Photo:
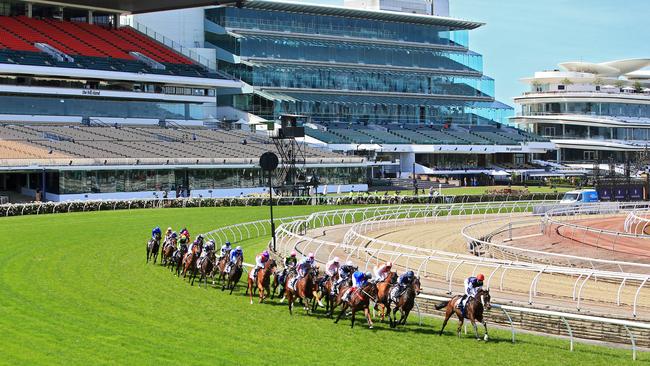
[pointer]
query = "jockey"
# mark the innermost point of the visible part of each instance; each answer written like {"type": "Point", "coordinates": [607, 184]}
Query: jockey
{"type": "Point", "coordinates": [345, 271]}
{"type": "Point", "coordinates": [260, 262]}
{"type": "Point", "coordinates": [404, 280]}
{"type": "Point", "coordinates": [382, 271]}
{"type": "Point", "coordinates": [303, 268]}
{"type": "Point", "coordinates": [186, 234]}
{"type": "Point", "coordinates": [182, 241]}
{"type": "Point", "coordinates": [206, 248]}
{"type": "Point", "coordinates": [291, 261]}
{"type": "Point", "coordinates": [156, 233]}
{"type": "Point", "coordinates": [234, 255]}
{"type": "Point", "coordinates": [332, 267]}
{"type": "Point", "coordinates": [198, 242]}
{"type": "Point", "coordinates": [168, 234]}
{"type": "Point", "coordinates": [225, 250]}
{"type": "Point", "coordinates": [305, 265]}
{"type": "Point", "coordinates": [472, 287]}
{"type": "Point", "coordinates": [359, 279]}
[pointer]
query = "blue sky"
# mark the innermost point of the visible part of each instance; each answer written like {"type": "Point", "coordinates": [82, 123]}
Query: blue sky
{"type": "Point", "coordinates": [524, 36]}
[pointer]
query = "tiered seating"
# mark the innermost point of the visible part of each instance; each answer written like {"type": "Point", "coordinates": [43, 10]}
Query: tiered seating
{"type": "Point", "coordinates": [495, 137]}
{"type": "Point", "coordinates": [91, 46]}
{"type": "Point", "coordinates": [134, 142]}
{"type": "Point", "coordinates": [149, 47]}
{"type": "Point", "coordinates": [353, 135]}
{"type": "Point", "coordinates": [442, 138]}
{"type": "Point", "coordinates": [415, 137]}
{"type": "Point", "coordinates": [468, 138]}
{"type": "Point", "coordinates": [325, 136]}
{"type": "Point", "coordinates": [386, 137]}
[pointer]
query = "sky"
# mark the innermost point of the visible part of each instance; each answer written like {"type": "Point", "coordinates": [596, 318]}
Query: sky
{"type": "Point", "coordinates": [524, 36]}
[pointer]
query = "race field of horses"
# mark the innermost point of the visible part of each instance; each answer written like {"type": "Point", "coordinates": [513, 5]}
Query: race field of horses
{"type": "Point", "coordinates": [76, 288]}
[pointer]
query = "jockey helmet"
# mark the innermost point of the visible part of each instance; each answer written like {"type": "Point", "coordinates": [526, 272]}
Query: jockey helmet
{"type": "Point", "coordinates": [293, 253]}
{"type": "Point", "coordinates": [368, 275]}
{"type": "Point", "coordinates": [480, 277]}
{"type": "Point", "coordinates": [265, 254]}
{"type": "Point", "coordinates": [335, 260]}
{"type": "Point", "coordinates": [157, 228]}
{"type": "Point", "coordinates": [349, 263]}
{"type": "Point", "coordinates": [174, 235]}
{"type": "Point", "coordinates": [200, 237]}
{"type": "Point", "coordinates": [211, 242]}
{"type": "Point", "coordinates": [227, 243]}
{"type": "Point", "coordinates": [238, 249]}
{"type": "Point", "coordinates": [169, 229]}
{"type": "Point", "coordinates": [311, 255]}
{"type": "Point", "coordinates": [410, 274]}
{"type": "Point", "coordinates": [389, 264]}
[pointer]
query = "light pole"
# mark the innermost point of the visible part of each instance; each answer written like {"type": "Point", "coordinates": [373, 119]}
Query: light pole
{"type": "Point", "coordinates": [268, 162]}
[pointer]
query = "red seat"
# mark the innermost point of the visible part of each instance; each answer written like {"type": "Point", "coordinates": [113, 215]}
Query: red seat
{"type": "Point", "coordinates": [20, 33]}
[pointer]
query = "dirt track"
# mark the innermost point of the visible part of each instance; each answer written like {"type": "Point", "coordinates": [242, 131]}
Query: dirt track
{"type": "Point", "coordinates": [553, 291]}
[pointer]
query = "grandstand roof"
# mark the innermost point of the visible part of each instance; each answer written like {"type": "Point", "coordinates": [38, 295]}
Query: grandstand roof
{"type": "Point", "coordinates": [138, 6]}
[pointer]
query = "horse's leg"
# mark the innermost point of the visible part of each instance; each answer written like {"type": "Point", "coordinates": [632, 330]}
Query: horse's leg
{"type": "Point", "coordinates": [485, 337]}
{"type": "Point", "coordinates": [290, 300]}
{"type": "Point", "coordinates": [343, 308]}
{"type": "Point", "coordinates": [367, 312]}
{"type": "Point", "coordinates": [147, 253]}
{"type": "Point", "coordinates": [406, 315]}
{"type": "Point", "coordinates": [250, 294]}
{"type": "Point", "coordinates": [448, 313]}
{"type": "Point", "coordinates": [393, 316]}
{"type": "Point", "coordinates": [354, 312]}
{"type": "Point", "coordinates": [460, 324]}
{"type": "Point", "coordinates": [475, 329]}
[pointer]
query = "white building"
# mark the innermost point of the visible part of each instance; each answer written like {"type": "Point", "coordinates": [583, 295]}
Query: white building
{"type": "Point", "coordinates": [591, 111]}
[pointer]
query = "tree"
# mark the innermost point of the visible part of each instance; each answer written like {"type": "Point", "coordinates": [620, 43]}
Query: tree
{"type": "Point", "coordinates": [638, 87]}
{"type": "Point", "coordinates": [598, 81]}
{"type": "Point", "coordinates": [619, 83]}
{"type": "Point", "coordinates": [567, 81]}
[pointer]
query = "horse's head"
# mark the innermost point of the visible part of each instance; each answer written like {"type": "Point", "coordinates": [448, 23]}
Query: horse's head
{"type": "Point", "coordinates": [271, 264]}
{"type": "Point", "coordinates": [484, 297]}
{"type": "Point", "coordinates": [391, 278]}
{"type": "Point", "coordinates": [417, 285]}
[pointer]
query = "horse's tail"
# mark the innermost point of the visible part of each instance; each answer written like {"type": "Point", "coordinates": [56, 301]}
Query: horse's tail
{"type": "Point", "coordinates": [442, 305]}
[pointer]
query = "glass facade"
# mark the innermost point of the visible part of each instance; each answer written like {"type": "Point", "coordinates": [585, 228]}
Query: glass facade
{"type": "Point", "coordinates": [314, 23]}
{"type": "Point", "coordinates": [341, 78]}
{"type": "Point", "coordinates": [384, 72]}
{"type": "Point", "coordinates": [119, 108]}
{"type": "Point", "coordinates": [589, 108]}
{"type": "Point", "coordinates": [142, 180]}
{"type": "Point", "coordinates": [572, 131]}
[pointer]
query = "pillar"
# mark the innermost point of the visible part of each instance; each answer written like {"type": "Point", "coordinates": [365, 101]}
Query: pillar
{"type": "Point", "coordinates": [90, 17]}
{"type": "Point", "coordinates": [30, 7]}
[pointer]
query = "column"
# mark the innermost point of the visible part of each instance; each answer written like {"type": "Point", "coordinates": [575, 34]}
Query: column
{"type": "Point", "coordinates": [90, 17]}
{"type": "Point", "coordinates": [30, 7]}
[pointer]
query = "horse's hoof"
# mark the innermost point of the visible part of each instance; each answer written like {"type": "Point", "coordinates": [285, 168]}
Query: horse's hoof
{"type": "Point", "coordinates": [485, 337]}
{"type": "Point", "coordinates": [370, 327]}
{"type": "Point", "coordinates": [251, 302]}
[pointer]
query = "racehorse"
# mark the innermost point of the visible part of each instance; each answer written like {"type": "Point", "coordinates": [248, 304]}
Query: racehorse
{"type": "Point", "coordinates": [326, 287]}
{"type": "Point", "coordinates": [360, 299]}
{"type": "Point", "coordinates": [383, 293]}
{"type": "Point", "coordinates": [404, 303]}
{"type": "Point", "coordinates": [473, 311]}
{"type": "Point", "coordinates": [152, 249]}
{"type": "Point", "coordinates": [279, 280]}
{"type": "Point", "coordinates": [261, 280]}
{"type": "Point", "coordinates": [220, 268]}
{"type": "Point", "coordinates": [167, 251]}
{"type": "Point", "coordinates": [189, 261]}
{"type": "Point", "coordinates": [177, 259]}
{"type": "Point", "coordinates": [233, 276]}
{"type": "Point", "coordinates": [204, 267]}
{"type": "Point", "coordinates": [305, 289]}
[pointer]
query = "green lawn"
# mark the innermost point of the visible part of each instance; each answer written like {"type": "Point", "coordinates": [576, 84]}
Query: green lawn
{"type": "Point", "coordinates": [75, 289]}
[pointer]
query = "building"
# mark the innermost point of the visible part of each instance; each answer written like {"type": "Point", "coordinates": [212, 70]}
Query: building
{"type": "Point", "coordinates": [590, 111]}
{"type": "Point", "coordinates": [90, 109]}
{"type": "Point", "coordinates": [378, 76]}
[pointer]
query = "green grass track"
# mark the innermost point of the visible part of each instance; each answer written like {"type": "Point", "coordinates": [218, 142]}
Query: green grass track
{"type": "Point", "coordinates": [75, 290]}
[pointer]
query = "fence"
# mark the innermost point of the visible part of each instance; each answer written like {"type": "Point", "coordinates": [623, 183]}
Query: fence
{"type": "Point", "coordinates": [39, 208]}
{"type": "Point", "coordinates": [443, 268]}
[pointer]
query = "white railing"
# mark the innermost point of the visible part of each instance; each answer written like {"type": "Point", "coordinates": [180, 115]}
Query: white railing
{"type": "Point", "coordinates": [510, 274]}
{"type": "Point", "coordinates": [637, 221]}
{"type": "Point", "coordinates": [562, 317]}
